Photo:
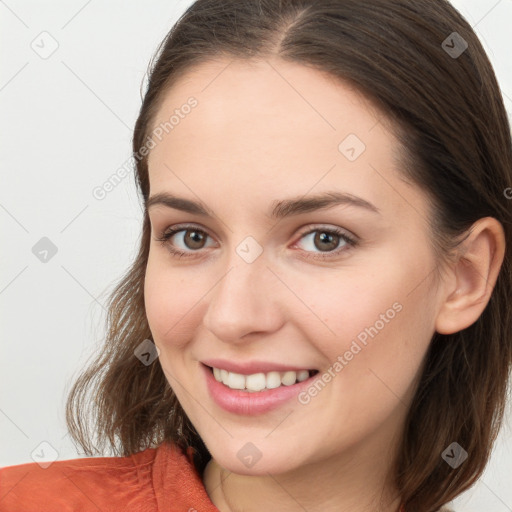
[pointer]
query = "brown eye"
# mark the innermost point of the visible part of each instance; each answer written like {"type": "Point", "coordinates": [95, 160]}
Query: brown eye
{"type": "Point", "coordinates": [184, 240]}
{"type": "Point", "coordinates": [194, 239]}
{"type": "Point", "coordinates": [325, 241]}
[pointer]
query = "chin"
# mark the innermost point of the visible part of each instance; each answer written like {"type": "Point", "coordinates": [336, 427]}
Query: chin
{"type": "Point", "coordinates": [253, 459]}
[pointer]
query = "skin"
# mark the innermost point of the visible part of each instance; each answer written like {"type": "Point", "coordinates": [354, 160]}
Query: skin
{"type": "Point", "coordinates": [270, 130]}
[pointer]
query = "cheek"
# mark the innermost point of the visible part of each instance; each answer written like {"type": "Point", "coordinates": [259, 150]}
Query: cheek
{"type": "Point", "coordinates": [344, 303]}
{"type": "Point", "coordinates": [169, 300]}
{"type": "Point", "coordinates": [372, 318]}
{"type": "Point", "coordinates": [381, 334]}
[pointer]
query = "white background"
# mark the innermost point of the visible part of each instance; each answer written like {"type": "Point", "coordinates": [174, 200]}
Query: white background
{"type": "Point", "coordinates": [66, 126]}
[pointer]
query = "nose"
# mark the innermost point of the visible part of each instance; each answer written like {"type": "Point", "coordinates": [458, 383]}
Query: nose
{"type": "Point", "coordinates": [245, 301]}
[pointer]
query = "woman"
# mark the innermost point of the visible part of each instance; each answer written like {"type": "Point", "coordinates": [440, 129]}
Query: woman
{"type": "Point", "coordinates": [317, 317]}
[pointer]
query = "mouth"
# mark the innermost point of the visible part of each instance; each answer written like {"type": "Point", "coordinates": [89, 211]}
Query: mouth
{"type": "Point", "coordinates": [261, 381]}
{"type": "Point", "coordinates": [256, 393]}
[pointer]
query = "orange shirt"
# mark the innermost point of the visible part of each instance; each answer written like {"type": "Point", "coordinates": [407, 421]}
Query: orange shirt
{"type": "Point", "coordinates": [160, 479]}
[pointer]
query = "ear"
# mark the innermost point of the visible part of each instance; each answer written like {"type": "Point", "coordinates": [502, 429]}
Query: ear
{"type": "Point", "coordinates": [472, 277]}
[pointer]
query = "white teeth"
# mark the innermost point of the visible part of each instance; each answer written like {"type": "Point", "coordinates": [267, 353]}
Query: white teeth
{"type": "Point", "coordinates": [289, 378]}
{"type": "Point", "coordinates": [273, 380]}
{"type": "Point", "coordinates": [302, 375]}
{"type": "Point", "coordinates": [258, 381]}
{"type": "Point", "coordinates": [235, 381]}
{"type": "Point", "coordinates": [255, 382]}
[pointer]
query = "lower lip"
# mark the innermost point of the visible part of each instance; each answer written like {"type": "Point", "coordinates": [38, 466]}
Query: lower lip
{"type": "Point", "coordinates": [251, 404]}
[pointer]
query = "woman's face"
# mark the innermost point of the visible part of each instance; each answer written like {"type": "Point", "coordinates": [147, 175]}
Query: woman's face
{"type": "Point", "coordinates": [265, 148]}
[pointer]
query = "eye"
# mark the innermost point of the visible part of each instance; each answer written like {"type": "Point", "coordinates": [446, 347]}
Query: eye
{"type": "Point", "coordinates": [328, 241]}
{"type": "Point", "coordinates": [192, 238]}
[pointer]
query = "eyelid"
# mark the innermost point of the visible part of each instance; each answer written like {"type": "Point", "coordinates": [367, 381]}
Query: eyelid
{"type": "Point", "coordinates": [311, 228]}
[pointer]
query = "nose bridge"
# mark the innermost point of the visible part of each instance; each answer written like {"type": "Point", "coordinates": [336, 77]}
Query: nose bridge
{"type": "Point", "coordinates": [242, 300]}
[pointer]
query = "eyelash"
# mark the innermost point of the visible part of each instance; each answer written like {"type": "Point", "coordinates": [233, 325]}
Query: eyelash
{"type": "Point", "coordinates": [350, 242]}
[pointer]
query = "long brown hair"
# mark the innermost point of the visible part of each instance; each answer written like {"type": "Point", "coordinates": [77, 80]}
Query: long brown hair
{"type": "Point", "coordinates": [449, 115]}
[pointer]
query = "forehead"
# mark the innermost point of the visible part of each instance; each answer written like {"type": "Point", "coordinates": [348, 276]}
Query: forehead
{"type": "Point", "coordinates": [275, 127]}
{"type": "Point", "coordinates": [267, 97]}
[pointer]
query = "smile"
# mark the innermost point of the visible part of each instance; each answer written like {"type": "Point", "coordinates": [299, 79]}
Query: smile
{"type": "Point", "coordinates": [254, 394]}
{"type": "Point", "coordinates": [260, 381]}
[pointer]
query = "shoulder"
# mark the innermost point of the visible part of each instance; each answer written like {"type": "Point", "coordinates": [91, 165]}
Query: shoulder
{"type": "Point", "coordinates": [155, 479]}
{"type": "Point", "coordinates": [103, 483]}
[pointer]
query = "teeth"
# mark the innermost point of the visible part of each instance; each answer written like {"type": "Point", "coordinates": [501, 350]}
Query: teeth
{"type": "Point", "coordinates": [258, 381]}
{"type": "Point", "coordinates": [255, 382]}
{"type": "Point", "coordinates": [235, 381]}
{"type": "Point", "coordinates": [289, 378]}
{"type": "Point", "coordinates": [302, 375]}
{"type": "Point", "coordinates": [273, 380]}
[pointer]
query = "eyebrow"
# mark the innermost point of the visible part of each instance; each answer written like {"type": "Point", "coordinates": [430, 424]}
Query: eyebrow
{"type": "Point", "coordinates": [279, 209]}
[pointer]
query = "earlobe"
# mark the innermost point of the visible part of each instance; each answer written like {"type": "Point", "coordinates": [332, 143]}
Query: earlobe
{"type": "Point", "coordinates": [474, 276]}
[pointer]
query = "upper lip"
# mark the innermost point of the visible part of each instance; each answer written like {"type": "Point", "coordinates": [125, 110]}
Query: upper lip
{"type": "Point", "coordinates": [251, 367]}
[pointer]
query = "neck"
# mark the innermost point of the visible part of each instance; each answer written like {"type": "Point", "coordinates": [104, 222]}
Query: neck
{"type": "Point", "coordinates": [336, 484]}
